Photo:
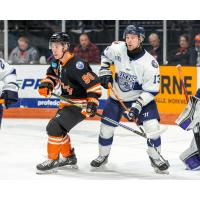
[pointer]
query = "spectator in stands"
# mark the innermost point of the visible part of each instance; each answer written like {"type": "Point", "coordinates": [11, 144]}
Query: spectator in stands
{"type": "Point", "coordinates": [196, 51]}
{"type": "Point", "coordinates": [183, 55]}
{"type": "Point", "coordinates": [155, 49]}
{"type": "Point", "coordinates": [87, 50]}
{"type": "Point", "coordinates": [24, 53]}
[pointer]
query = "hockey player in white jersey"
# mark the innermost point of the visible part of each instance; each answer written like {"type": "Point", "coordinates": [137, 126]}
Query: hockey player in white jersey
{"type": "Point", "coordinates": [188, 120]}
{"type": "Point", "coordinates": [136, 81]}
{"type": "Point", "coordinates": [9, 91]}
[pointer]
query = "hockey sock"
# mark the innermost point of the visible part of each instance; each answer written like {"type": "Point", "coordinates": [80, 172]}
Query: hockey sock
{"type": "Point", "coordinates": [66, 149]}
{"type": "Point", "coordinates": [54, 147]}
{"type": "Point", "coordinates": [154, 143]}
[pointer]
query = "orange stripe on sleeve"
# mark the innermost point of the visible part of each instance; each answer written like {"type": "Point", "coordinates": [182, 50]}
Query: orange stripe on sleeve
{"type": "Point", "coordinates": [93, 88]}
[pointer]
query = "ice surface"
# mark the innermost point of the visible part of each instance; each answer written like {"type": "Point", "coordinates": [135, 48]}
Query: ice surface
{"type": "Point", "coordinates": [23, 146]}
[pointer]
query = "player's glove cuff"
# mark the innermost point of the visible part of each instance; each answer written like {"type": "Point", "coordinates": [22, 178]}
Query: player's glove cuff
{"type": "Point", "coordinates": [92, 106]}
{"type": "Point", "coordinates": [134, 111]}
{"type": "Point", "coordinates": [105, 77]}
{"type": "Point", "coordinates": [137, 105]}
{"type": "Point", "coordinates": [45, 88]}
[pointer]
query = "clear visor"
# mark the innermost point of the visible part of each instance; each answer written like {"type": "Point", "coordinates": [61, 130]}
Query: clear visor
{"type": "Point", "coordinates": [132, 33]}
{"type": "Point", "coordinates": [64, 44]}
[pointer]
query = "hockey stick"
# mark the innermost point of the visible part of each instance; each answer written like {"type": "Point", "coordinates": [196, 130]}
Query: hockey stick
{"type": "Point", "coordinates": [196, 129]}
{"type": "Point", "coordinates": [179, 68]}
{"type": "Point", "coordinates": [142, 134]}
{"type": "Point", "coordinates": [101, 116]}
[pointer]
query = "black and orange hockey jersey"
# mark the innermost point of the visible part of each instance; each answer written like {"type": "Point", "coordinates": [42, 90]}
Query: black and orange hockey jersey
{"type": "Point", "coordinates": [76, 78]}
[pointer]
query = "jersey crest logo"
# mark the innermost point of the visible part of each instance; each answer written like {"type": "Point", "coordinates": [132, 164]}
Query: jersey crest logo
{"type": "Point", "coordinates": [80, 65]}
{"type": "Point", "coordinates": [126, 81]}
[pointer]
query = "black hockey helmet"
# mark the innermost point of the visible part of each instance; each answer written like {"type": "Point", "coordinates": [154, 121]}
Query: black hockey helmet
{"type": "Point", "coordinates": [135, 30]}
{"type": "Point", "coordinates": [61, 37]}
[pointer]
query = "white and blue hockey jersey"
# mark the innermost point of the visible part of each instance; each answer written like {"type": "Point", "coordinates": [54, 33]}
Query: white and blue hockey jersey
{"type": "Point", "coordinates": [133, 78]}
{"type": "Point", "coordinates": [8, 77]}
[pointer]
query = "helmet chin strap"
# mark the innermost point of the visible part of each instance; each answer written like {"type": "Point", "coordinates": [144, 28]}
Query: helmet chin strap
{"type": "Point", "coordinates": [64, 51]}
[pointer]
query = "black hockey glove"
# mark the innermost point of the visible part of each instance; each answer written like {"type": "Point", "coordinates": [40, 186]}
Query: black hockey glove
{"type": "Point", "coordinates": [134, 111]}
{"type": "Point", "coordinates": [45, 89]}
{"type": "Point", "coordinates": [10, 97]}
{"type": "Point", "coordinates": [105, 77]}
{"type": "Point", "coordinates": [91, 109]}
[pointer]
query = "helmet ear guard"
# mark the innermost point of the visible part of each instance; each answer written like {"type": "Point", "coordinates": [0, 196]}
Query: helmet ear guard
{"type": "Point", "coordinates": [141, 39]}
{"type": "Point", "coordinates": [142, 33]}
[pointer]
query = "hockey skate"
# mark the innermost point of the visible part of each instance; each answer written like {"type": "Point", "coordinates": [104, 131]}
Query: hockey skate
{"type": "Point", "coordinates": [47, 167]}
{"type": "Point", "coordinates": [159, 166]}
{"type": "Point", "coordinates": [100, 161]}
{"type": "Point", "coordinates": [69, 162]}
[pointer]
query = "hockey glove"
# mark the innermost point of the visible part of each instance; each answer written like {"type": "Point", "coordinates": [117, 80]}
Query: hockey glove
{"type": "Point", "coordinates": [134, 111]}
{"type": "Point", "coordinates": [45, 89]}
{"type": "Point", "coordinates": [105, 77]}
{"type": "Point", "coordinates": [92, 106]}
{"type": "Point", "coordinates": [10, 97]}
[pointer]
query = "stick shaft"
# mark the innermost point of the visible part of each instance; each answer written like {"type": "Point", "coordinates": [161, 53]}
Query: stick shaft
{"type": "Point", "coordinates": [101, 116]}
{"type": "Point", "coordinates": [179, 67]}
{"type": "Point", "coordinates": [120, 101]}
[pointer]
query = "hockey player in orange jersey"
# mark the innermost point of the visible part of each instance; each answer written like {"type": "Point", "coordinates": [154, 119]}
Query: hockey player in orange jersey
{"type": "Point", "coordinates": [79, 83]}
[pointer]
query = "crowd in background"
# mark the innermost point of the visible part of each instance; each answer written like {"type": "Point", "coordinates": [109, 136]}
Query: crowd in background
{"type": "Point", "coordinates": [29, 51]}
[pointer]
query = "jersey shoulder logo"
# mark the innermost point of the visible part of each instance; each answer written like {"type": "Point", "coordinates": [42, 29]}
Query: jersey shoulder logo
{"type": "Point", "coordinates": [80, 65]}
{"type": "Point", "coordinates": [54, 64]}
{"type": "Point", "coordinates": [154, 64]}
{"type": "Point", "coordinates": [2, 65]}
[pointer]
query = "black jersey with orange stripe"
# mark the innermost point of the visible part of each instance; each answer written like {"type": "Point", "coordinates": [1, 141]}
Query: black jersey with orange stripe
{"type": "Point", "coordinates": [75, 76]}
